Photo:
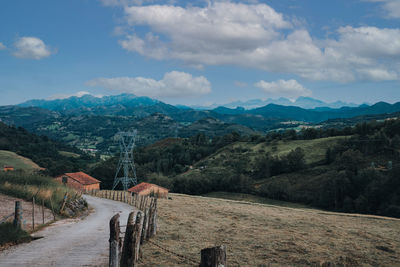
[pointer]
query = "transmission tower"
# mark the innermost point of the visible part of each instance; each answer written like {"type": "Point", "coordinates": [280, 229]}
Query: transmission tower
{"type": "Point", "coordinates": [126, 162]}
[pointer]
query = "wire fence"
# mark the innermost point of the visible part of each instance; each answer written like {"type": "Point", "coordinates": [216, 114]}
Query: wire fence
{"type": "Point", "coordinates": [185, 258]}
{"type": "Point", "coordinates": [6, 218]}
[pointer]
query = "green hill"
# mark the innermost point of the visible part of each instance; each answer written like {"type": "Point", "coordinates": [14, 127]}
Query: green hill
{"type": "Point", "coordinates": [314, 150]}
{"type": "Point", "coordinates": [41, 150]}
{"type": "Point", "coordinates": [8, 158]}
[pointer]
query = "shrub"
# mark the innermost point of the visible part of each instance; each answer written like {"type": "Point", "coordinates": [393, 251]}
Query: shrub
{"type": "Point", "coordinates": [9, 233]}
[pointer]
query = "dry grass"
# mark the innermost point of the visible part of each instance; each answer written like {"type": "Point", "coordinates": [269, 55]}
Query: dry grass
{"type": "Point", "coordinates": [258, 235]}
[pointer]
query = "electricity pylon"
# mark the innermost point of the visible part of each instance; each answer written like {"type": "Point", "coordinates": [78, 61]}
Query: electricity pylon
{"type": "Point", "coordinates": [126, 162]}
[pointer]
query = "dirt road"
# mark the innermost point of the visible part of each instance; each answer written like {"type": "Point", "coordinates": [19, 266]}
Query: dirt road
{"type": "Point", "coordinates": [71, 242]}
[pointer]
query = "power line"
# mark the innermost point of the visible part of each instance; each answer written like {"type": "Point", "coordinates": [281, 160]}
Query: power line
{"type": "Point", "coordinates": [126, 162]}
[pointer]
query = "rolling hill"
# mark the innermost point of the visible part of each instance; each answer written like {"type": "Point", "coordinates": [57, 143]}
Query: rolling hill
{"type": "Point", "coordinates": [41, 150]}
{"type": "Point", "coordinates": [8, 158]}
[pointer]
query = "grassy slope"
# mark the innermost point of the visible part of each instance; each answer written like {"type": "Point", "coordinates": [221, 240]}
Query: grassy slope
{"type": "Point", "coordinates": [267, 235]}
{"type": "Point", "coordinates": [314, 149]}
{"type": "Point", "coordinates": [254, 199]}
{"type": "Point", "coordinates": [17, 161]}
{"type": "Point", "coordinates": [69, 154]}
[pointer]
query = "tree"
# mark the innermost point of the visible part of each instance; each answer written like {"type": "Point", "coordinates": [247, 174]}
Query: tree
{"type": "Point", "coordinates": [295, 159]}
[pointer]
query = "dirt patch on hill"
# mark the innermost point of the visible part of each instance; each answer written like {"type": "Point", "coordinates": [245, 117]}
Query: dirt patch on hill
{"type": "Point", "coordinates": [265, 235]}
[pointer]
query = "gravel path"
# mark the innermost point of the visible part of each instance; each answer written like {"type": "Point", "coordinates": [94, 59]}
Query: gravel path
{"type": "Point", "coordinates": [71, 242]}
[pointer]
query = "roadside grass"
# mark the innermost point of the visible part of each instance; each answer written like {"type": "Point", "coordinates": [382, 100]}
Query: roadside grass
{"type": "Point", "coordinates": [18, 162]}
{"type": "Point", "coordinates": [9, 233]}
{"type": "Point", "coordinates": [25, 186]}
{"type": "Point", "coordinates": [255, 199]}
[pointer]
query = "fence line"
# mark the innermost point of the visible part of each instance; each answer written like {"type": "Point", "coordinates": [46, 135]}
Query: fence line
{"type": "Point", "coordinates": [141, 202]}
{"type": "Point", "coordinates": [140, 227]}
{"type": "Point", "coordinates": [6, 218]}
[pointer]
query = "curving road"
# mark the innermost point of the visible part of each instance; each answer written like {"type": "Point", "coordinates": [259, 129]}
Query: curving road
{"type": "Point", "coordinates": [71, 242]}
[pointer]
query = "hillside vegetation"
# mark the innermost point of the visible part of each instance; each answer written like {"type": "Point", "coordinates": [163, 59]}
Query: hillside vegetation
{"type": "Point", "coordinates": [55, 157]}
{"type": "Point", "coordinates": [43, 188]}
{"type": "Point", "coordinates": [8, 158]}
{"type": "Point", "coordinates": [354, 169]}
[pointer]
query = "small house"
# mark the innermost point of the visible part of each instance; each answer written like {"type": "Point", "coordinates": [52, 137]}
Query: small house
{"type": "Point", "coordinates": [8, 168]}
{"type": "Point", "coordinates": [79, 181]}
{"type": "Point", "coordinates": [143, 189]}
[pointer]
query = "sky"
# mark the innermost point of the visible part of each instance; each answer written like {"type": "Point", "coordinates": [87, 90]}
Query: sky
{"type": "Point", "coordinates": [200, 52]}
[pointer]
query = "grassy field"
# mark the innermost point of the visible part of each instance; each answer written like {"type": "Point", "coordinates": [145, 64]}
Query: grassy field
{"type": "Point", "coordinates": [69, 154]}
{"type": "Point", "coordinates": [17, 161]}
{"type": "Point", "coordinates": [254, 199]}
{"type": "Point", "coordinates": [314, 150]}
{"type": "Point", "coordinates": [268, 235]}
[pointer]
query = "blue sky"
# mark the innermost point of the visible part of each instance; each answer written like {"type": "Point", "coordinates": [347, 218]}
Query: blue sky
{"type": "Point", "coordinates": [201, 52]}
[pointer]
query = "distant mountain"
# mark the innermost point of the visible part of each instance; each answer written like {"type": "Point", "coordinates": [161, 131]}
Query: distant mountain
{"type": "Point", "coordinates": [117, 105]}
{"type": "Point", "coordinates": [89, 101]}
{"type": "Point", "coordinates": [312, 115]}
{"type": "Point", "coordinates": [302, 102]}
{"type": "Point", "coordinates": [14, 115]}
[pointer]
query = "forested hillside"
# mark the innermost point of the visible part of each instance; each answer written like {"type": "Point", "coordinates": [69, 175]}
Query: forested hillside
{"type": "Point", "coordinates": [42, 150]}
{"type": "Point", "coordinates": [351, 169]}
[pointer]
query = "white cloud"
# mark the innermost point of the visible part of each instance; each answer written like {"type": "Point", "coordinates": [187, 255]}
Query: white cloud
{"type": "Point", "coordinates": [391, 7]}
{"type": "Point", "coordinates": [2, 46]}
{"type": "Point", "coordinates": [290, 88]}
{"type": "Point", "coordinates": [173, 84]}
{"type": "Point", "coordinates": [31, 48]}
{"type": "Point", "coordinates": [256, 36]}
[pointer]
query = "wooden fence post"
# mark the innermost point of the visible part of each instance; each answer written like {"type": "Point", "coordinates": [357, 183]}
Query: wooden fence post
{"type": "Point", "coordinates": [64, 202]}
{"type": "Point", "coordinates": [33, 213]}
{"type": "Point", "coordinates": [42, 211]}
{"type": "Point", "coordinates": [128, 257]}
{"type": "Point", "coordinates": [114, 241]}
{"type": "Point", "coordinates": [138, 234]}
{"type": "Point", "coordinates": [17, 214]}
{"type": "Point", "coordinates": [153, 224]}
{"type": "Point", "coordinates": [213, 257]}
{"type": "Point", "coordinates": [145, 226]}
{"type": "Point", "coordinates": [52, 210]}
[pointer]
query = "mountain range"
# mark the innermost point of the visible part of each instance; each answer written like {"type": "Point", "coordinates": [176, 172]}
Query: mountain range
{"type": "Point", "coordinates": [302, 102]}
{"type": "Point", "coordinates": [90, 122]}
{"type": "Point", "coordinates": [130, 101]}
{"type": "Point", "coordinates": [260, 118]}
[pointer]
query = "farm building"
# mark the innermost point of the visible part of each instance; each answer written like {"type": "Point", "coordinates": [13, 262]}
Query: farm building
{"type": "Point", "coordinates": [79, 180]}
{"type": "Point", "coordinates": [149, 189]}
{"type": "Point", "coordinates": [8, 168]}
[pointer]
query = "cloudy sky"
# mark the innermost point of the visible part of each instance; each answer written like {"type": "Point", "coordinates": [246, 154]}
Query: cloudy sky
{"type": "Point", "coordinates": [201, 52]}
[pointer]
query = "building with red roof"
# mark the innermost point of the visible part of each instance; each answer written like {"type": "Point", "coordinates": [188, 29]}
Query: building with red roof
{"type": "Point", "coordinates": [149, 189]}
{"type": "Point", "coordinates": [8, 168]}
{"type": "Point", "coordinates": [79, 180]}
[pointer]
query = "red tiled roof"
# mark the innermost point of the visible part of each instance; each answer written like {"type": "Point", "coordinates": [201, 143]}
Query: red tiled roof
{"type": "Point", "coordinates": [82, 178]}
{"type": "Point", "coordinates": [143, 186]}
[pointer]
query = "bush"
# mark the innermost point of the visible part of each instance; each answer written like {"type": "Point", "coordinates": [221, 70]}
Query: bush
{"type": "Point", "coordinates": [9, 233]}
